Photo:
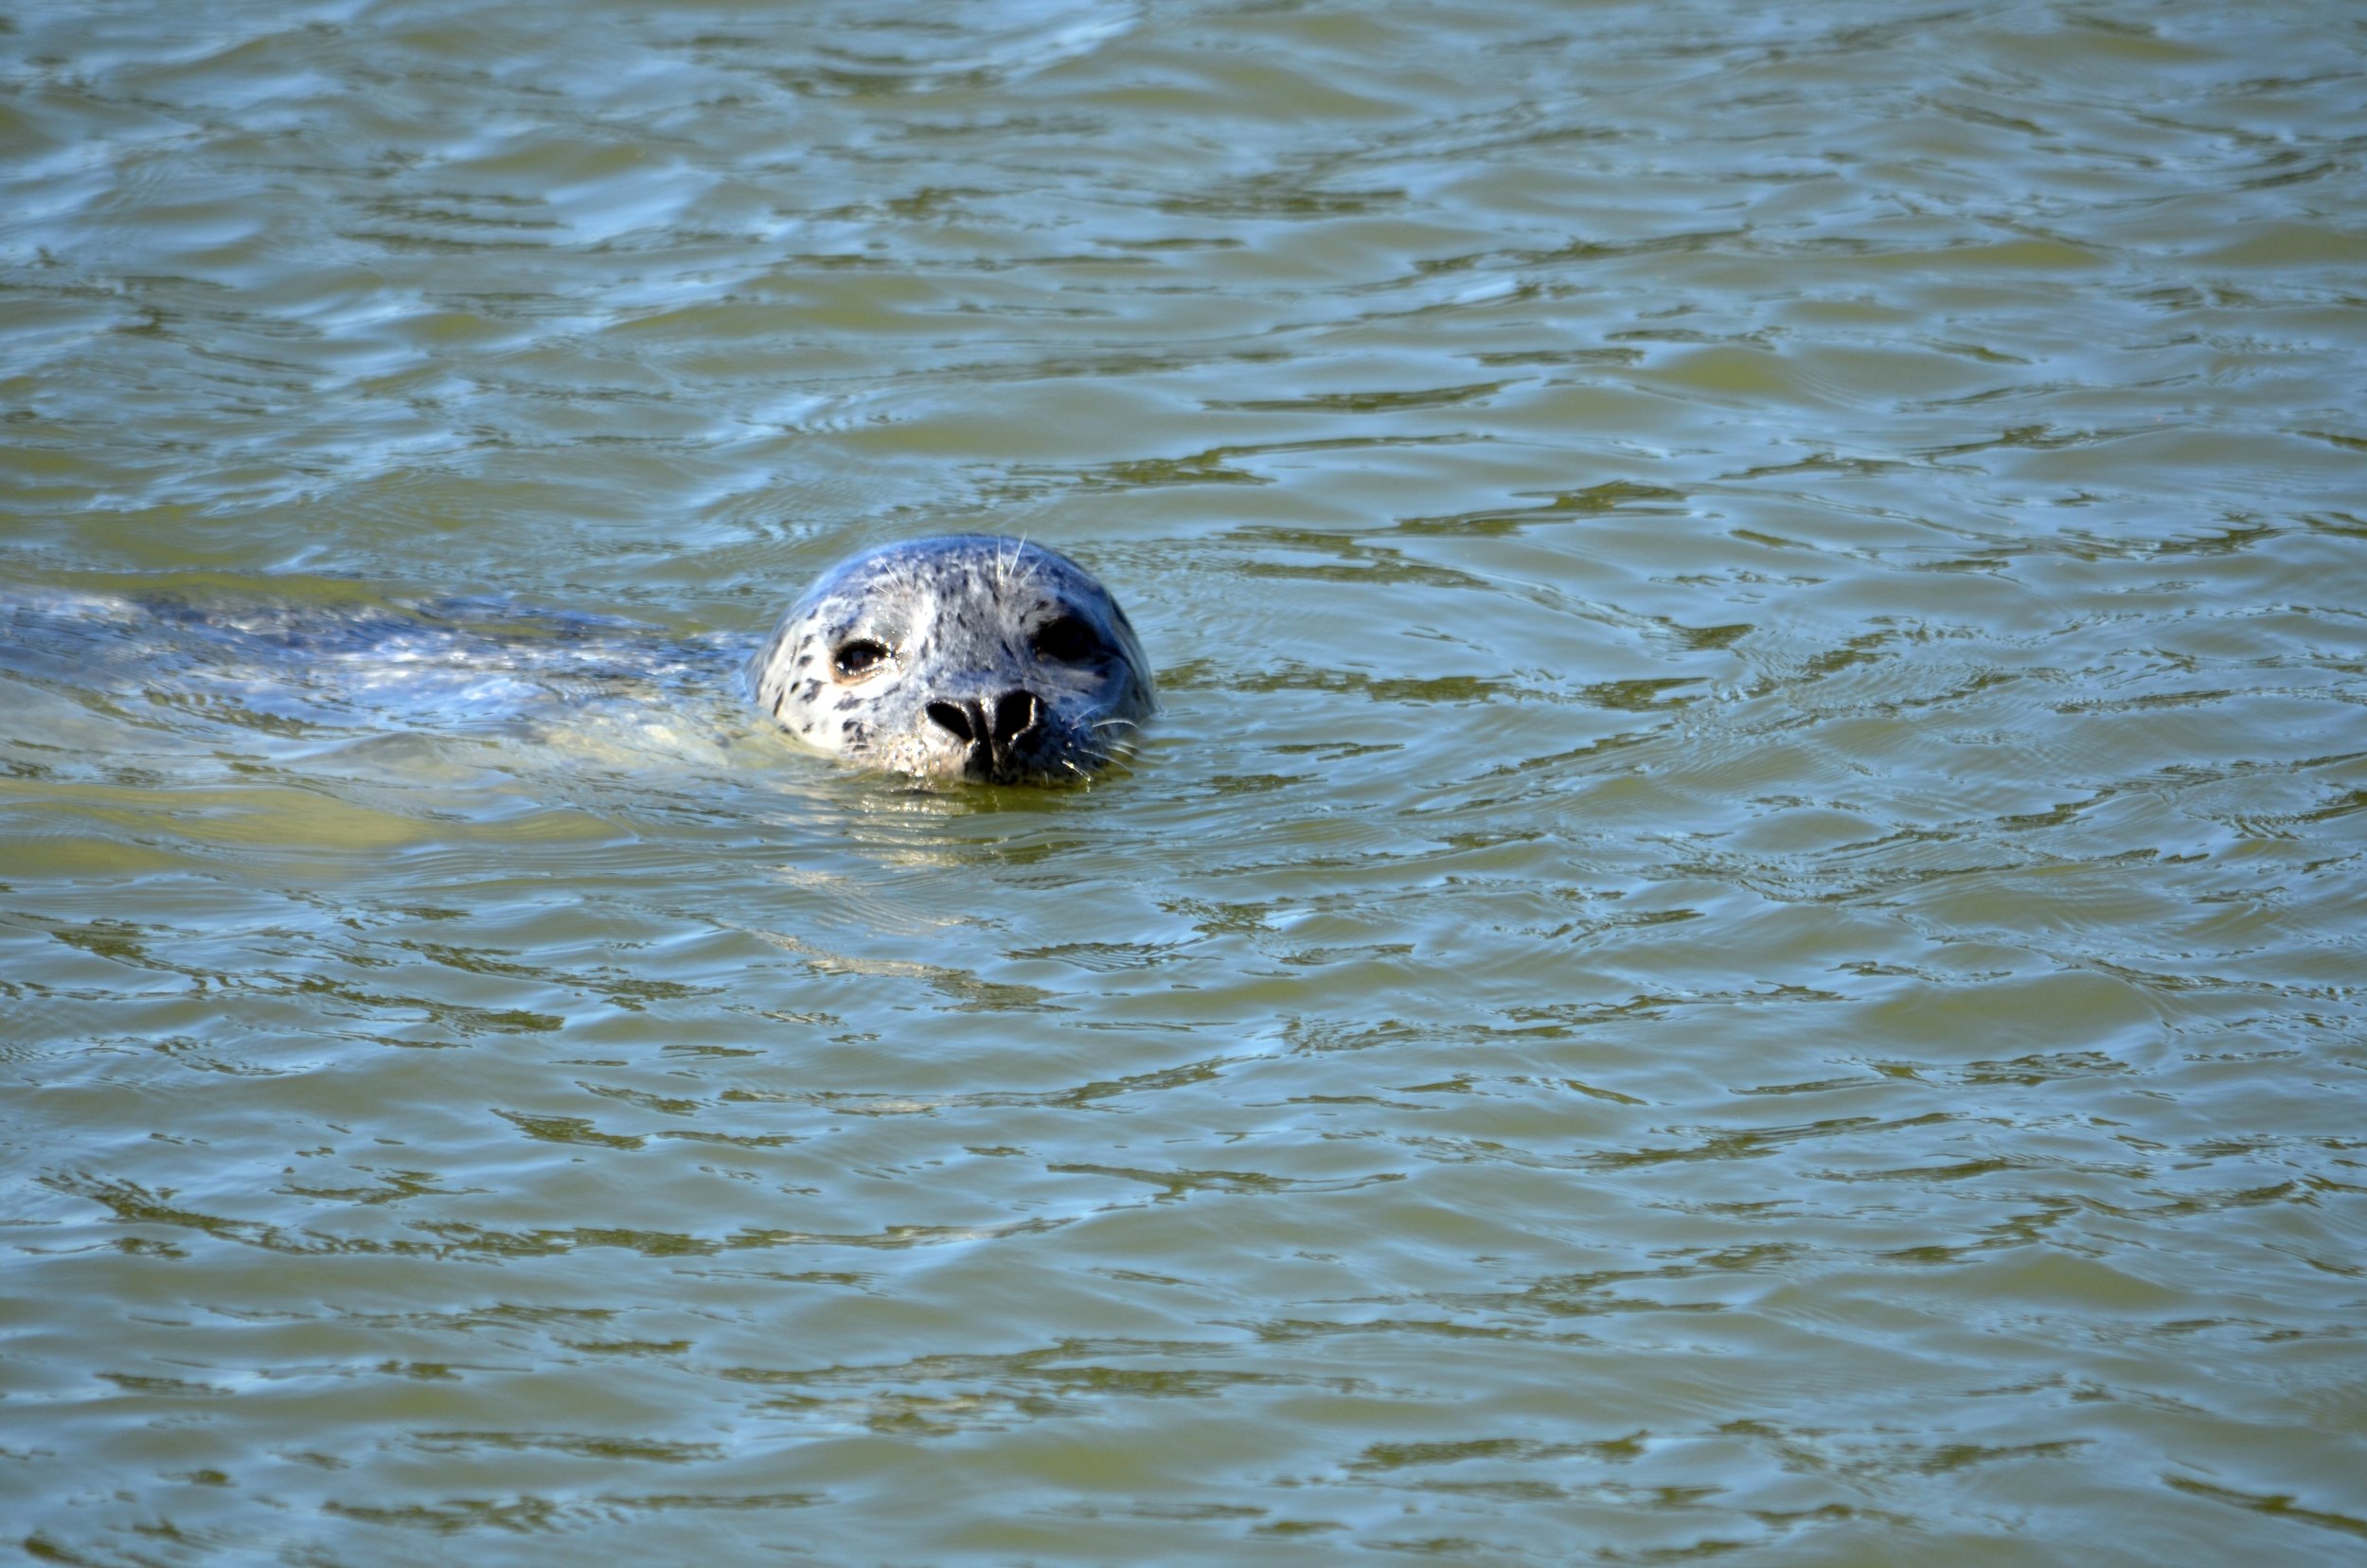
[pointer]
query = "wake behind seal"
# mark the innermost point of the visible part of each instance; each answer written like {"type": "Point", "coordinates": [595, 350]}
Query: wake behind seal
{"type": "Point", "coordinates": [965, 656]}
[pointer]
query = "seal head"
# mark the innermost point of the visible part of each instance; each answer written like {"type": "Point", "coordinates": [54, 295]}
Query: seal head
{"type": "Point", "coordinates": [965, 656]}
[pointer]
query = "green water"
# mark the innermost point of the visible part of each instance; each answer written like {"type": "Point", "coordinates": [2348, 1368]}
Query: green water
{"type": "Point", "coordinates": [1740, 938]}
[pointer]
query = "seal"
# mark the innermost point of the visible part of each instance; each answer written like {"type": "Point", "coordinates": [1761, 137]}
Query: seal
{"type": "Point", "coordinates": [964, 656]}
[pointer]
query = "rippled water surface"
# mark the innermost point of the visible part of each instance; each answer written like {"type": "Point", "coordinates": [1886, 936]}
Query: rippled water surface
{"type": "Point", "coordinates": [1741, 936]}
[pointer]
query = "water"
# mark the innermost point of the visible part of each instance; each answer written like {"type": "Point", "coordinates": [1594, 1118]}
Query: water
{"type": "Point", "coordinates": [1739, 938]}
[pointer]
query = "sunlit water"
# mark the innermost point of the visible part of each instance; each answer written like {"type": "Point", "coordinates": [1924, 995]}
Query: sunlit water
{"type": "Point", "coordinates": [1741, 936]}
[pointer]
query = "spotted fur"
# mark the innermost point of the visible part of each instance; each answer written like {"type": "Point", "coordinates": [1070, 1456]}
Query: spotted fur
{"type": "Point", "coordinates": [1002, 662]}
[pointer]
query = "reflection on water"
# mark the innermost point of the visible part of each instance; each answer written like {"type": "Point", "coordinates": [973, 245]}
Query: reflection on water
{"type": "Point", "coordinates": [1739, 936]}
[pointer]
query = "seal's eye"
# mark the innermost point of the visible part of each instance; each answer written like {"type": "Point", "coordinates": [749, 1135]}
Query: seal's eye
{"type": "Point", "coordinates": [854, 660]}
{"type": "Point", "coordinates": [1065, 640]}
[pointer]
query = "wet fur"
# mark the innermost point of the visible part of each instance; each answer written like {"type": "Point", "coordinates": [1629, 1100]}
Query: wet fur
{"type": "Point", "coordinates": [960, 616]}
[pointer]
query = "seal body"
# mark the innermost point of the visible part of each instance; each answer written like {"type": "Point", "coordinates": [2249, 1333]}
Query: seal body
{"type": "Point", "coordinates": [965, 656]}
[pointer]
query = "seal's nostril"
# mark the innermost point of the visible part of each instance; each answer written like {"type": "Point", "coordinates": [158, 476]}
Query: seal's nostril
{"type": "Point", "coordinates": [955, 719]}
{"type": "Point", "coordinates": [1014, 715]}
